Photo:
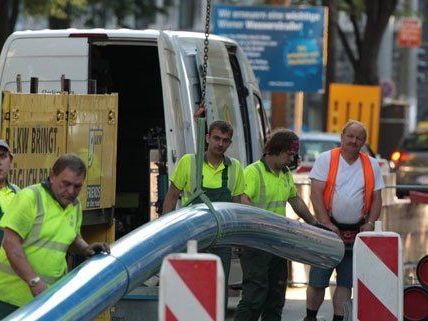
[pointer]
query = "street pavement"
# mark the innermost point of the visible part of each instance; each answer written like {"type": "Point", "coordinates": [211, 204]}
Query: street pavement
{"type": "Point", "coordinates": [295, 306]}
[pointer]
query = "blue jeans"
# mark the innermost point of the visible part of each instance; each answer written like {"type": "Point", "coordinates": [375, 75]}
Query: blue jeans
{"type": "Point", "coordinates": [320, 278]}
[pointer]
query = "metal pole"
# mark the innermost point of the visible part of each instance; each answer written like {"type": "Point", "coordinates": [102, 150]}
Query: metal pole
{"type": "Point", "coordinates": [298, 112]}
{"type": "Point", "coordinates": [92, 86]}
{"type": "Point", "coordinates": [34, 85]}
{"type": "Point", "coordinates": [409, 74]}
{"type": "Point", "coordinates": [66, 83]}
{"type": "Point", "coordinates": [18, 83]}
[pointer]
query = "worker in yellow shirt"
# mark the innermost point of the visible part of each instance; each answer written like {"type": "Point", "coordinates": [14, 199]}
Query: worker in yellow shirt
{"type": "Point", "coordinates": [41, 224]}
{"type": "Point", "coordinates": [7, 190]}
{"type": "Point", "coordinates": [222, 179]}
{"type": "Point", "coordinates": [269, 185]}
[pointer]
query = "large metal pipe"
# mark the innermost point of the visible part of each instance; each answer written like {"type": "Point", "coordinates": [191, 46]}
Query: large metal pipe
{"type": "Point", "coordinates": [102, 280]}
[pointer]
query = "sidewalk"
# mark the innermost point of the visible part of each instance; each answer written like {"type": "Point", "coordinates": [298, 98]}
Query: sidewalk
{"type": "Point", "coordinates": [295, 306]}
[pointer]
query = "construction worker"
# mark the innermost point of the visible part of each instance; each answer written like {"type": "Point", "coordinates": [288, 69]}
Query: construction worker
{"type": "Point", "coordinates": [222, 179]}
{"type": "Point", "coordinates": [346, 193]}
{"type": "Point", "coordinates": [7, 190]}
{"type": "Point", "coordinates": [269, 185]}
{"type": "Point", "coordinates": [41, 224]}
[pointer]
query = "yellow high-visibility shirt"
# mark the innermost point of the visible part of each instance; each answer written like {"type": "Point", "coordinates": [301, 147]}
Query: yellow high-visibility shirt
{"type": "Point", "coordinates": [268, 190]}
{"type": "Point", "coordinates": [47, 231]}
{"type": "Point", "coordinates": [184, 176]}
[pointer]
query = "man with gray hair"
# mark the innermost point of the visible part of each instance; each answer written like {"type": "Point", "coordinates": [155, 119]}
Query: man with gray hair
{"type": "Point", "coordinates": [346, 194]}
{"type": "Point", "coordinates": [42, 223]}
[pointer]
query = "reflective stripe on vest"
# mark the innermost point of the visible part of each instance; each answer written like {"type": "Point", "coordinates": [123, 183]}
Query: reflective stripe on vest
{"type": "Point", "coordinates": [33, 237]}
{"type": "Point", "coordinates": [262, 203]}
{"type": "Point", "coordinates": [369, 181]}
{"type": "Point", "coordinates": [231, 173]}
{"type": "Point", "coordinates": [8, 270]}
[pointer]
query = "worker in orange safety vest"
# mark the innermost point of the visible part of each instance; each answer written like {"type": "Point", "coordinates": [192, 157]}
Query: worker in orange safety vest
{"type": "Point", "coordinates": [346, 194]}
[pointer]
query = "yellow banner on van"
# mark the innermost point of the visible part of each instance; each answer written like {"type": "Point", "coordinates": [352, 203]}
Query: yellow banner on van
{"type": "Point", "coordinates": [356, 102]}
{"type": "Point", "coordinates": [41, 127]}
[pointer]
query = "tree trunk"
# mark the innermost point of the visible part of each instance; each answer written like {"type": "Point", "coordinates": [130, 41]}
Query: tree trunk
{"type": "Point", "coordinates": [9, 10]}
{"type": "Point", "coordinates": [59, 23]}
{"type": "Point", "coordinates": [378, 13]}
{"type": "Point", "coordinates": [330, 73]}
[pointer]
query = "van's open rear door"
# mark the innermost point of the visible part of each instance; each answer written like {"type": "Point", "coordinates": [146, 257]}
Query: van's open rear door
{"type": "Point", "coordinates": [256, 113]}
{"type": "Point", "coordinates": [172, 100]}
{"type": "Point", "coordinates": [221, 97]}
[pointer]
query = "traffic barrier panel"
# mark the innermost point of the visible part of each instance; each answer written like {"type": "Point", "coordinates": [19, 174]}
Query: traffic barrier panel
{"type": "Point", "coordinates": [191, 287]}
{"type": "Point", "coordinates": [418, 197]}
{"type": "Point", "coordinates": [378, 276]}
{"type": "Point", "coordinates": [422, 271]}
{"type": "Point", "coordinates": [415, 304]}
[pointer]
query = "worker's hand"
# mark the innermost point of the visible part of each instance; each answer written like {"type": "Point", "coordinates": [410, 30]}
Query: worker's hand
{"type": "Point", "coordinates": [96, 247]}
{"type": "Point", "coordinates": [38, 288]}
{"type": "Point", "coordinates": [367, 227]}
{"type": "Point", "coordinates": [200, 112]}
{"type": "Point", "coordinates": [331, 227]}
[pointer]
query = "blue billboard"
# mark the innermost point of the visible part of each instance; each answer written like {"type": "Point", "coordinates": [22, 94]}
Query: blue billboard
{"type": "Point", "coordinates": [285, 45]}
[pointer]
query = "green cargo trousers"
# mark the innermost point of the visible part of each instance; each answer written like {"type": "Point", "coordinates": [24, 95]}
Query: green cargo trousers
{"type": "Point", "coordinates": [263, 286]}
{"type": "Point", "coordinates": [225, 255]}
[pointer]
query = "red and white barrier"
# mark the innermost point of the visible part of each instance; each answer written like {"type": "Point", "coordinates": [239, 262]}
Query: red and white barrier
{"type": "Point", "coordinates": [191, 287]}
{"type": "Point", "coordinates": [378, 276]}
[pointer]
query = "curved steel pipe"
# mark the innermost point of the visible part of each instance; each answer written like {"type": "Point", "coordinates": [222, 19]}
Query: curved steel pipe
{"type": "Point", "coordinates": [102, 280]}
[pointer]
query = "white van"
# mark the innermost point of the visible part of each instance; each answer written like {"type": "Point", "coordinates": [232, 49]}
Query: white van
{"type": "Point", "coordinates": [157, 76]}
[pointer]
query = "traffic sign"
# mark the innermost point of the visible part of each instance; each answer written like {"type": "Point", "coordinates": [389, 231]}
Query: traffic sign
{"type": "Point", "coordinates": [409, 33]}
{"type": "Point", "coordinates": [191, 288]}
{"type": "Point", "coordinates": [378, 277]}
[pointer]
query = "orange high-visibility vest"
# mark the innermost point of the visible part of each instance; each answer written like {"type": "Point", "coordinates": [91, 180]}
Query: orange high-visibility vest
{"type": "Point", "coordinates": [369, 180]}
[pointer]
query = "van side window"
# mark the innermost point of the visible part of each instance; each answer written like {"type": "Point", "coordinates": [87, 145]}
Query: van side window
{"type": "Point", "coordinates": [262, 119]}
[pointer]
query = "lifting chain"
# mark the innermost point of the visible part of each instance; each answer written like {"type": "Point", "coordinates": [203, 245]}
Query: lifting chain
{"type": "Point", "coordinates": [206, 43]}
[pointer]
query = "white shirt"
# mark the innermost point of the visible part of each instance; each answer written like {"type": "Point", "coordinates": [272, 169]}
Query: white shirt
{"type": "Point", "coordinates": [348, 194]}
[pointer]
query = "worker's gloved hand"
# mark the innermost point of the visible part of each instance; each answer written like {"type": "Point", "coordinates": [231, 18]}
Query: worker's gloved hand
{"type": "Point", "coordinates": [97, 247]}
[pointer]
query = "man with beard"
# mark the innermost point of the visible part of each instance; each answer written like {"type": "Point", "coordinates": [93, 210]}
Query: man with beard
{"type": "Point", "coordinates": [346, 193]}
{"type": "Point", "coordinates": [222, 180]}
{"type": "Point", "coordinates": [7, 190]}
{"type": "Point", "coordinates": [41, 224]}
{"type": "Point", "coordinates": [269, 185]}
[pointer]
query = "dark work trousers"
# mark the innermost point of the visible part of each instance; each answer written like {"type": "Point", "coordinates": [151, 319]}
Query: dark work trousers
{"type": "Point", "coordinates": [221, 194]}
{"type": "Point", "coordinates": [6, 309]}
{"type": "Point", "coordinates": [263, 286]}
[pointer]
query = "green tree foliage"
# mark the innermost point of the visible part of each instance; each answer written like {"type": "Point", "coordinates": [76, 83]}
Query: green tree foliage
{"type": "Point", "coordinates": [95, 13]}
{"type": "Point", "coordinates": [140, 10]}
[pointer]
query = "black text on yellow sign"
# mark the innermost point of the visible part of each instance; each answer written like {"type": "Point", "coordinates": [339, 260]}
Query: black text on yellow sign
{"type": "Point", "coordinates": [33, 140]}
